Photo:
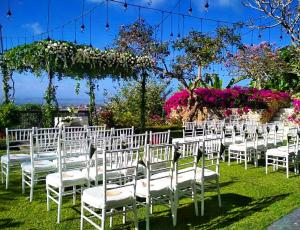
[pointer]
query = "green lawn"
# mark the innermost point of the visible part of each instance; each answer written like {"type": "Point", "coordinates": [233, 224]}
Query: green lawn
{"type": "Point", "coordinates": [251, 200]}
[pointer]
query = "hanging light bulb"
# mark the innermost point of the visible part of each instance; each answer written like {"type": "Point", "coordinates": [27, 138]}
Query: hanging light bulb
{"type": "Point", "coordinates": [150, 2]}
{"type": "Point", "coordinates": [107, 26]}
{"type": "Point", "coordinates": [259, 36]}
{"type": "Point", "coordinates": [190, 9]}
{"type": "Point", "coordinates": [82, 28]}
{"type": "Point", "coordinates": [171, 34]}
{"type": "Point", "coordinates": [9, 13]}
{"type": "Point", "coordinates": [178, 35]}
{"type": "Point", "coordinates": [206, 5]}
{"type": "Point", "coordinates": [280, 37]}
{"type": "Point", "coordinates": [125, 6]}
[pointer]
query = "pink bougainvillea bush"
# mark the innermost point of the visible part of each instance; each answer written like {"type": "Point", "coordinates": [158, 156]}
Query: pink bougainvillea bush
{"type": "Point", "coordinates": [241, 98]}
{"type": "Point", "coordinates": [295, 116]}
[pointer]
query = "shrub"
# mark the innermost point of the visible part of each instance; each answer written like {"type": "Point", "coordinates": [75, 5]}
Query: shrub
{"type": "Point", "coordinates": [227, 99]}
{"type": "Point", "coordinates": [9, 116]}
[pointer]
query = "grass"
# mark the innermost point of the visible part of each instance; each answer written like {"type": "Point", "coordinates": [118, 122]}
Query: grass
{"type": "Point", "coordinates": [251, 200]}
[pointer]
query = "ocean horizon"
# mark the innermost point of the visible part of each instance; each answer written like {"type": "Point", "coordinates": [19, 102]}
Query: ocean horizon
{"type": "Point", "coordinates": [61, 101]}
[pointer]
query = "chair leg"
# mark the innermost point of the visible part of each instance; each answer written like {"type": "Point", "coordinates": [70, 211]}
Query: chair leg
{"type": "Point", "coordinates": [148, 213]}
{"type": "Point", "coordinates": [287, 167]}
{"type": "Point", "coordinates": [267, 164]}
{"type": "Point", "coordinates": [229, 157]}
{"type": "Point", "coordinates": [202, 199]}
{"type": "Point", "coordinates": [23, 182]}
{"type": "Point", "coordinates": [2, 176]}
{"type": "Point", "coordinates": [31, 186]}
{"type": "Point", "coordinates": [174, 206]}
{"type": "Point", "coordinates": [124, 215]}
{"type": "Point", "coordinates": [7, 176]}
{"type": "Point", "coordinates": [136, 225]}
{"type": "Point", "coordinates": [48, 200]}
{"type": "Point", "coordinates": [59, 204]}
{"type": "Point", "coordinates": [246, 160]}
{"type": "Point", "coordinates": [81, 216]}
{"type": "Point", "coordinates": [219, 193]}
{"type": "Point", "coordinates": [74, 194]}
{"type": "Point", "coordinates": [194, 197]}
{"type": "Point", "coordinates": [103, 220]}
{"type": "Point", "coordinates": [111, 218]}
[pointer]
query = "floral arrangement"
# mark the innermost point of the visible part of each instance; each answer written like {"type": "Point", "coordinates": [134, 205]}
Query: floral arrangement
{"type": "Point", "coordinates": [238, 100]}
{"type": "Point", "coordinates": [72, 110]}
{"type": "Point", "coordinates": [67, 119]}
{"type": "Point", "coordinates": [295, 116]}
{"type": "Point", "coordinates": [70, 59]}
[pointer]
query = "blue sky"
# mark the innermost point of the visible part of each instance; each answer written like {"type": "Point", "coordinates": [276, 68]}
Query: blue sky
{"type": "Point", "coordinates": [30, 19]}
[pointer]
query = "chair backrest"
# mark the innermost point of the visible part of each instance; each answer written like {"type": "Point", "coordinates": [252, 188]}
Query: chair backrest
{"type": "Point", "coordinates": [185, 158]}
{"type": "Point", "coordinates": [45, 142]}
{"type": "Point", "coordinates": [138, 140]}
{"type": "Point", "coordinates": [18, 140]}
{"type": "Point", "coordinates": [118, 167]}
{"type": "Point", "coordinates": [211, 152]}
{"type": "Point", "coordinates": [72, 133]}
{"type": "Point", "coordinates": [123, 132]}
{"type": "Point", "coordinates": [73, 154]}
{"type": "Point", "coordinates": [95, 130]}
{"type": "Point", "coordinates": [189, 129]}
{"type": "Point", "coordinates": [159, 163]}
{"type": "Point", "coordinates": [159, 138]}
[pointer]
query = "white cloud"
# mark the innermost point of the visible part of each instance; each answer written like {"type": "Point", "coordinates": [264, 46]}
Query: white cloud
{"type": "Point", "coordinates": [35, 27]}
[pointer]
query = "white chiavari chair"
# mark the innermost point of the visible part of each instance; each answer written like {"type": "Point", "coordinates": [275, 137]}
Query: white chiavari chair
{"type": "Point", "coordinates": [245, 151]}
{"type": "Point", "coordinates": [284, 156]}
{"type": "Point", "coordinates": [159, 138]}
{"type": "Point", "coordinates": [123, 132]}
{"type": "Point", "coordinates": [156, 188]}
{"type": "Point", "coordinates": [17, 151]}
{"type": "Point", "coordinates": [189, 129]}
{"type": "Point", "coordinates": [185, 171]}
{"type": "Point", "coordinates": [69, 174]}
{"type": "Point", "coordinates": [117, 194]}
{"type": "Point", "coordinates": [43, 149]}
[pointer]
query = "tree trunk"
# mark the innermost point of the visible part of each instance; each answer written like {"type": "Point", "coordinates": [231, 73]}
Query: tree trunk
{"type": "Point", "coordinates": [143, 101]}
{"type": "Point", "coordinates": [51, 106]}
{"type": "Point", "coordinates": [192, 103]}
{"type": "Point", "coordinates": [92, 105]}
{"type": "Point", "coordinates": [5, 85]}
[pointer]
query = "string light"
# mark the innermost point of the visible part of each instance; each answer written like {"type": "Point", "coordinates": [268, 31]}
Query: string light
{"type": "Point", "coordinates": [252, 38]}
{"type": "Point", "coordinates": [9, 13]}
{"type": "Point", "coordinates": [107, 22]}
{"type": "Point", "coordinates": [190, 9]}
{"type": "Point", "coordinates": [82, 27]}
{"type": "Point", "coordinates": [162, 27]}
{"type": "Point", "coordinates": [206, 5]}
{"type": "Point", "coordinates": [281, 37]}
{"type": "Point", "coordinates": [171, 34]}
{"type": "Point", "coordinates": [48, 20]}
{"type": "Point", "coordinates": [75, 32]}
{"type": "Point", "coordinates": [125, 6]}
{"type": "Point", "coordinates": [178, 25]}
{"type": "Point", "coordinates": [90, 30]}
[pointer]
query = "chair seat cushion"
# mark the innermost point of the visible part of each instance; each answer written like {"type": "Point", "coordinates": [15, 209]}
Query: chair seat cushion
{"type": "Point", "coordinates": [157, 187]}
{"type": "Point", "coordinates": [241, 146]}
{"type": "Point", "coordinates": [15, 158]}
{"type": "Point", "coordinates": [208, 174]}
{"type": "Point", "coordinates": [279, 152]}
{"type": "Point", "coordinates": [39, 166]}
{"type": "Point", "coordinates": [47, 155]}
{"type": "Point", "coordinates": [74, 161]}
{"type": "Point", "coordinates": [99, 174]}
{"type": "Point", "coordinates": [69, 178]}
{"type": "Point", "coordinates": [118, 197]}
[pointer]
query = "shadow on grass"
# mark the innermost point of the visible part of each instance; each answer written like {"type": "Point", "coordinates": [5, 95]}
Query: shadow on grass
{"type": "Point", "coordinates": [9, 223]}
{"type": "Point", "coordinates": [235, 207]}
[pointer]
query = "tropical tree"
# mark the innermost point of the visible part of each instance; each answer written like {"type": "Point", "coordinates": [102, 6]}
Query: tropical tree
{"type": "Point", "coordinates": [197, 51]}
{"type": "Point", "coordinates": [266, 66]}
{"type": "Point", "coordinates": [285, 13]}
{"type": "Point", "coordinates": [138, 38]}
